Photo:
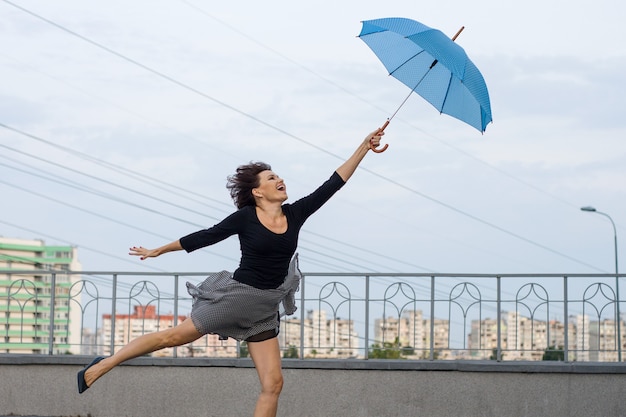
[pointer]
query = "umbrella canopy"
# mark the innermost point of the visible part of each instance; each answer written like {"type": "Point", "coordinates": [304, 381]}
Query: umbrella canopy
{"type": "Point", "coordinates": [432, 65]}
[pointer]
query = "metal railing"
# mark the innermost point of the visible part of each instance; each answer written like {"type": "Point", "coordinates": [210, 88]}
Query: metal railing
{"type": "Point", "coordinates": [567, 317]}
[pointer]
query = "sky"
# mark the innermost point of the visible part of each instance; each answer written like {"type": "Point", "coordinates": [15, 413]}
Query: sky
{"type": "Point", "coordinates": [120, 121]}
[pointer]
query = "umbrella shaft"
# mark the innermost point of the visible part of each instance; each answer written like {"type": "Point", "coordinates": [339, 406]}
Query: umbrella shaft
{"type": "Point", "coordinates": [414, 88]}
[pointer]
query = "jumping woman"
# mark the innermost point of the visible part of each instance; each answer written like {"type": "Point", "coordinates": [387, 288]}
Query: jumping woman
{"type": "Point", "coordinates": [244, 305]}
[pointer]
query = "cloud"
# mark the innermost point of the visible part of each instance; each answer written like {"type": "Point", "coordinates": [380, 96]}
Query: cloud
{"type": "Point", "coordinates": [301, 93]}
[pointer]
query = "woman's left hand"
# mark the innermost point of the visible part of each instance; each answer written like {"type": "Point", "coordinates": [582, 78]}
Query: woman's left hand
{"type": "Point", "coordinates": [143, 253]}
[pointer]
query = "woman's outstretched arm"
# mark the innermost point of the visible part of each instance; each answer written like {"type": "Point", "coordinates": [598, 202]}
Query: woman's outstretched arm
{"type": "Point", "coordinates": [144, 253]}
{"type": "Point", "coordinates": [346, 169]}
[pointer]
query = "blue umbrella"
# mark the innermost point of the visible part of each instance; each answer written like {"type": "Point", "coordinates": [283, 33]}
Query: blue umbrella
{"type": "Point", "coordinates": [432, 65]}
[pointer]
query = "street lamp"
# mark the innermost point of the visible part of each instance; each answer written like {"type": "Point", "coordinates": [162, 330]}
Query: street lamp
{"type": "Point", "coordinates": [618, 323]}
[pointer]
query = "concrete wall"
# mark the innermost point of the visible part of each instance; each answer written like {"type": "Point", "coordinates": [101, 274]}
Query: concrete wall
{"type": "Point", "coordinates": [147, 387]}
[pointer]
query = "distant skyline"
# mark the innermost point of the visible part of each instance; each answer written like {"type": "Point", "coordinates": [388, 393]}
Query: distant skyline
{"type": "Point", "coordinates": [119, 124]}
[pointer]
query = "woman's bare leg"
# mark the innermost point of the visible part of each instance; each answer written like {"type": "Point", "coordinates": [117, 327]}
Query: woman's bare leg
{"type": "Point", "coordinates": [176, 336]}
{"type": "Point", "coordinates": [266, 358]}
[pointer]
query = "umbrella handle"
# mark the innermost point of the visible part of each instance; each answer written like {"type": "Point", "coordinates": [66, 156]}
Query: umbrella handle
{"type": "Point", "coordinates": [384, 148]}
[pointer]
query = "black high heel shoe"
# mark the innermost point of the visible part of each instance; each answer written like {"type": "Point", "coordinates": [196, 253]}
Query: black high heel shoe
{"type": "Point", "coordinates": [82, 385]}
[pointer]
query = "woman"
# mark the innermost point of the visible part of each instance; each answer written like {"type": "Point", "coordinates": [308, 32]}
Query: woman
{"type": "Point", "coordinates": [266, 277]}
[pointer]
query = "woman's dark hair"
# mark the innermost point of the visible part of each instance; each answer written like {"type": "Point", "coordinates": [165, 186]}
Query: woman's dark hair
{"type": "Point", "coordinates": [244, 181]}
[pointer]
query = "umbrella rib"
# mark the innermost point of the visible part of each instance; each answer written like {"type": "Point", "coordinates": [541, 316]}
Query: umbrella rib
{"type": "Point", "coordinates": [405, 62]}
{"type": "Point", "coordinates": [443, 103]}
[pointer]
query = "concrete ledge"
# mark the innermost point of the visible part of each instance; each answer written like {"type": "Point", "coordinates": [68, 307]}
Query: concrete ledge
{"type": "Point", "coordinates": [351, 364]}
{"type": "Point", "coordinates": [41, 385]}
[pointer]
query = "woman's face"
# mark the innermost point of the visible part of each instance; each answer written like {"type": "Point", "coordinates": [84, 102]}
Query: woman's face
{"type": "Point", "coordinates": [271, 187]}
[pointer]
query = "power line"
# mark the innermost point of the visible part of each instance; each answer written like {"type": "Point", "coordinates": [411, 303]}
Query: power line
{"type": "Point", "coordinates": [109, 196]}
{"type": "Point", "coordinates": [172, 188]}
{"type": "Point", "coordinates": [373, 105]}
{"type": "Point", "coordinates": [328, 256]}
{"type": "Point", "coordinates": [103, 195]}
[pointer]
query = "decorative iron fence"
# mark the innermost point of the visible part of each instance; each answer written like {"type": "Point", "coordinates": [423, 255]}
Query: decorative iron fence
{"type": "Point", "coordinates": [502, 317]}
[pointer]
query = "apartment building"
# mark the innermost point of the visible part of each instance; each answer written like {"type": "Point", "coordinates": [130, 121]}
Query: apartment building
{"type": "Point", "coordinates": [441, 339]}
{"type": "Point", "coordinates": [603, 341]}
{"type": "Point", "coordinates": [324, 337]}
{"type": "Point", "coordinates": [557, 336]}
{"type": "Point", "coordinates": [483, 338]}
{"type": "Point", "coordinates": [26, 298]}
{"type": "Point", "coordinates": [525, 338]}
{"type": "Point", "coordinates": [412, 330]}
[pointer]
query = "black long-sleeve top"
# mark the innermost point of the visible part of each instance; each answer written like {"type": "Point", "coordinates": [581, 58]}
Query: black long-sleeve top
{"type": "Point", "coordinates": [265, 255]}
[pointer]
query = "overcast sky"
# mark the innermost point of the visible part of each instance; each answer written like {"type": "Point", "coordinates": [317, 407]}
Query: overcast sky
{"type": "Point", "coordinates": [121, 121]}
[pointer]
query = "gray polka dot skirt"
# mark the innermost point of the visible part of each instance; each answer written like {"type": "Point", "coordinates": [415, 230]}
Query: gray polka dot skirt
{"type": "Point", "coordinates": [230, 308]}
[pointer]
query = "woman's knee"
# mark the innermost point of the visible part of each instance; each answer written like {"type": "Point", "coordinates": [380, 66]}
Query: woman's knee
{"type": "Point", "coordinates": [179, 335]}
{"type": "Point", "coordinates": [169, 339]}
{"type": "Point", "coordinates": [272, 383]}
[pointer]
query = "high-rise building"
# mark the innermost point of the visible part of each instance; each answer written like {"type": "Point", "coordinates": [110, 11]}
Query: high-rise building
{"type": "Point", "coordinates": [526, 338]}
{"type": "Point", "coordinates": [412, 330]}
{"type": "Point", "coordinates": [603, 342]}
{"type": "Point", "coordinates": [581, 335]}
{"type": "Point", "coordinates": [26, 298]}
{"type": "Point", "coordinates": [323, 337]}
{"type": "Point", "coordinates": [397, 331]}
{"type": "Point", "coordinates": [483, 339]}
{"type": "Point", "coordinates": [441, 339]}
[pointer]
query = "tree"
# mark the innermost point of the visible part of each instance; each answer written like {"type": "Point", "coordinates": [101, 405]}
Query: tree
{"type": "Point", "coordinates": [554, 354]}
{"type": "Point", "coordinates": [243, 350]}
{"type": "Point", "coordinates": [390, 350]}
{"type": "Point", "coordinates": [426, 354]}
{"type": "Point", "coordinates": [291, 352]}
{"type": "Point", "coordinates": [494, 355]}
{"type": "Point", "coordinates": [407, 350]}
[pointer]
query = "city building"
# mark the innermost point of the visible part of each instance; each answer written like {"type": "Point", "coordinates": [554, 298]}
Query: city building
{"type": "Point", "coordinates": [26, 299]}
{"type": "Point", "coordinates": [483, 338]}
{"type": "Point", "coordinates": [441, 340]}
{"type": "Point", "coordinates": [603, 340]}
{"type": "Point", "coordinates": [411, 332]}
{"type": "Point", "coordinates": [524, 338]}
{"type": "Point", "coordinates": [581, 335]}
{"type": "Point", "coordinates": [557, 337]}
{"type": "Point", "coordinates": [333, 338]}
{"type": "Point", "coordinates": [90, 342]}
